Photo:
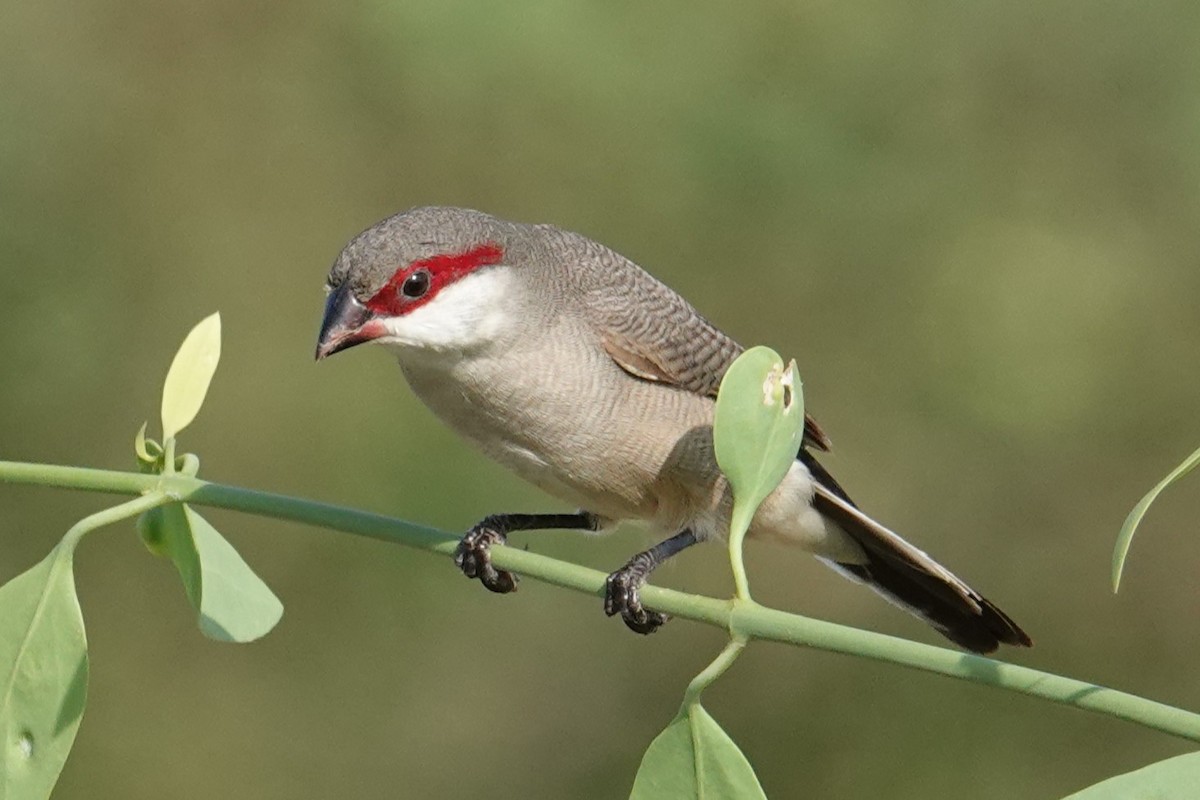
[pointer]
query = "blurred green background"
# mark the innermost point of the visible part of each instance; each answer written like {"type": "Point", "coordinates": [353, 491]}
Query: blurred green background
{"type": "Point", "coordinates": [974, 224]}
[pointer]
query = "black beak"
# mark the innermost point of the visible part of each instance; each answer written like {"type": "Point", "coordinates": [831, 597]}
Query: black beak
{"type": "Point", "coordinates": [347, 323]}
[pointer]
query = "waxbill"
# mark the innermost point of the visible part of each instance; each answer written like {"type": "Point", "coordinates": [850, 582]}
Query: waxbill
{"type": "Point", "coordinates": [573, 367]}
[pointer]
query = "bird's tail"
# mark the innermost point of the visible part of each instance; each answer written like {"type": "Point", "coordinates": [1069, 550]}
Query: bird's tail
{"type": "Point", "coordinates": [908, 577]}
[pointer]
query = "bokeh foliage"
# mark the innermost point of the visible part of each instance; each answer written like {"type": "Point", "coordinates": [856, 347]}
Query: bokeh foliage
{"type": "Point", "coordinates": [972, 224]}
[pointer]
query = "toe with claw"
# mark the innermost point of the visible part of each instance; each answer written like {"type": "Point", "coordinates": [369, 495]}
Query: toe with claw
{"type": "Point", "coordinates": [621, 597]}
{"type": "Point", "coordinates": [474, 558]}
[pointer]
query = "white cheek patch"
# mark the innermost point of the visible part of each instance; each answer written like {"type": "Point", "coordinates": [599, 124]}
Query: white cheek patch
{"type": "Point", "coordinates": [466, 314]}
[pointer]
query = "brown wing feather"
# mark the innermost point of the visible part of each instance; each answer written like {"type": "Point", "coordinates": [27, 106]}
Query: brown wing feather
{"type": "Point", "coordinates": [664, 339]}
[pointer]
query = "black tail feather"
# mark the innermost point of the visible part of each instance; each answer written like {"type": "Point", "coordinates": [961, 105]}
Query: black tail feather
{"type": "Point", "coordinates": [910, 578]}
{"type": "Point", "coordinates": [981, 629]}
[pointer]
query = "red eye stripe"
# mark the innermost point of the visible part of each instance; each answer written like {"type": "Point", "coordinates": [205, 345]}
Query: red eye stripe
{"type": "Point", "coordinates": [443, 270]}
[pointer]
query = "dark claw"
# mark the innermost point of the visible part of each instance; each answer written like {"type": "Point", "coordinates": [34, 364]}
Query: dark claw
{"type": "Point", "coordinates": [474, 558]}
{"type": "Point", "coordinates": [621, 597]}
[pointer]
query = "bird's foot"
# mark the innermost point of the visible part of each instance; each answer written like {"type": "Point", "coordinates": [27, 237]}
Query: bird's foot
{"type": "Point", "coordinates": [621, 597]}
{"type": "Point", "coordinates": [474, 558]}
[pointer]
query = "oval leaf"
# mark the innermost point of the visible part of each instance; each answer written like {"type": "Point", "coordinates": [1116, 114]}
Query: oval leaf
{"type": "Point", "coordinates": [236, 605]}
{"type": "Point", "coordinates": [1173, 779]}
{"type": "Point", "coordinates": [43, 670]}
{"type": "Point", "coordinates": [758, 426]}
{"type": "Point", "coordinates": [190, 374]}
{"type": "Point", "coordinates": [1125, 537]}
{"type": "Point", "coordinates": [231, 602]}
{"type": "Point", "coordinates": [694, 758]}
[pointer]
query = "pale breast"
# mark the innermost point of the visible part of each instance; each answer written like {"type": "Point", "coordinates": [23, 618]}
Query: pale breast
{"type": "Point", "coordinates": [586, 433]}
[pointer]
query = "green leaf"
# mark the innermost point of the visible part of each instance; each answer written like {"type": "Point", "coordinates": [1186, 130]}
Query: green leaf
{"type": "Point", "coordinates": [44, 668]}
{"type": "Point", "coordinates": [232, 603]}
{"type": "Point", "coordinates": [189, 376]}
{"type": "Point", "coordinates": [1125, 537]}
{"type": "Point", "coordinates": [1173, 779]}
{"type": "Point", "coordinates": [758, 426]}
{"type": "Point", "coordinates": [694, 758]}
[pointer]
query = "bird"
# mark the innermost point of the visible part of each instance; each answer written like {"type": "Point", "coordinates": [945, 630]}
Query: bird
{"type": "Point", "coordinates": [576, 369]}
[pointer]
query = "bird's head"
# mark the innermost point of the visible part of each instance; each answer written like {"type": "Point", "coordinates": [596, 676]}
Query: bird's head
{"type": "Point", "coordinates": [426, 279]}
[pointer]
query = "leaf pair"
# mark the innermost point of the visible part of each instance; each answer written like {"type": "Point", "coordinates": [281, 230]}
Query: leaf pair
{"type": "Point", "coordinates": [231, 602]}
{"type": "Point", "coordinates": [43, 647]}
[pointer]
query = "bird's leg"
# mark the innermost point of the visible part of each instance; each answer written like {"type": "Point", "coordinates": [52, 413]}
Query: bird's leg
{"type": "Point", "coordinates": [473, 555]}
{"type": "Point", "coordinates": [621, 588]}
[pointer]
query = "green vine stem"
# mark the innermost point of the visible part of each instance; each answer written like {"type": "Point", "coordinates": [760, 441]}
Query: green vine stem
{"type": "Point", "coordinates": [743, 620]}
{"type": "Point", "coordinates": [169, 456]}
{"type": "Point", "coordinates": [737, 534]}
{"type": "Point", "coordinates": [130, 508]}
{"type": "Point", "coordinates": [716, 669]}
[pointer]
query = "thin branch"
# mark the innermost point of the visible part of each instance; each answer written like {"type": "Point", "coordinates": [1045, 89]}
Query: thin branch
{"type": "Point", "coordinates": [740, 618]}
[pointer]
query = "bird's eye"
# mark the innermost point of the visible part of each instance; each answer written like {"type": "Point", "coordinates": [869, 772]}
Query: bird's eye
{"type": "Point", "coordinates": [415, 285]}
